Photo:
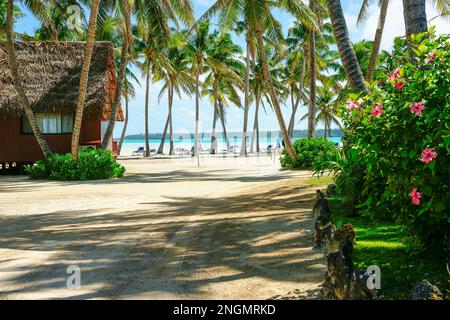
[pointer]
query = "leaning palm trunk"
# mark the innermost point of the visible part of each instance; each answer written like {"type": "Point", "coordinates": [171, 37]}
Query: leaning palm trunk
{"type": "Point", "coordinates": [415, 16]}
{"type": "Point", "coordinates": [255, 124]}
{"type": "Point", "coordinates": [171, 150]}
{"type": "Point", "coordinates": [222, 121]}
{"type": "Point", "coordinates": [90, 40]}
{"type": "Point", "coordinates": [18, 84]}
{"type": "Point", "coordinates": [121, 78]}
{"type": "Point", "coordinates": [346, 52]}
{"type": "Point", "coordinates": [147, 91]}
{"type": "Point", "coordinates": [377, 40]}
{"type": "Point", "coordinates": [197, 112]}
{"type": "Point", "coordinates": [246, 102]}
{"type": "Point", "coordinates": [213, 136]}
{"type": "Point", "coordinates": [163, 138]}
{"type": "Point", "coordinates": [124, 129]}
{"type": "Point", "coordinates": [299, 97]}
{"type": "Point", "coordinates": [312, 110]}
{"type": "Point", "coordinates": [273, 96]}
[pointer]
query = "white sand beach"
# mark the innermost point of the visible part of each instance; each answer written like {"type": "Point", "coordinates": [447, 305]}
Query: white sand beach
{"type": "Point", "coordinates": [167, 230]}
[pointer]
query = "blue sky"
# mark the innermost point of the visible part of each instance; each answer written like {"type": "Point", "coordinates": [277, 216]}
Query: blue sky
{"type": "Point", "coordinates": [184, 109]}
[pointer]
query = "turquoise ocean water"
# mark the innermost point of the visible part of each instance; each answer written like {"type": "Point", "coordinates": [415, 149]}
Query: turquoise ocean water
{"type": "Point", "coordinates": [131, 145]}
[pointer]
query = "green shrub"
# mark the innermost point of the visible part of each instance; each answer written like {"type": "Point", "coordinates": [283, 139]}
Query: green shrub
{"type": "Point", "coordinates": [401, 130]}
{"type": "Point", "coordinates": [349, 171]}
{"type": "Point", "coordinates": [92, 164]}
{"type": "Point", "coordinates": [308, 150]}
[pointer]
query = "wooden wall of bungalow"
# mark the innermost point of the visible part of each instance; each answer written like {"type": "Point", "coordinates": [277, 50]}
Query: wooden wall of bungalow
{"type": "Point", "coordinates": [50, 73]}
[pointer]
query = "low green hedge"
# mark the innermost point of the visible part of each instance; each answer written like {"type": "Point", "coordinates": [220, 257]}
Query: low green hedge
{"type": "Point", "coordinates": [308, 150]}
{"type": "Point", "coordinates": [92, 164]}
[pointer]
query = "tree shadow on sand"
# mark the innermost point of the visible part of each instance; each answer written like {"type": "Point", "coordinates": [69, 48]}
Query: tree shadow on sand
{"type": "Point", "coordinates": [185, 247]}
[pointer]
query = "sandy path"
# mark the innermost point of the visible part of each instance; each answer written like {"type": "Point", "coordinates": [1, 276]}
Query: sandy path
{"type": "Point", "coordinates": [231, 229]}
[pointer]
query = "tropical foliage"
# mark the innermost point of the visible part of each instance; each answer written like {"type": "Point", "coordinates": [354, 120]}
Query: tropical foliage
{"type": "Point", "coordinates": [401, 131]}
{"type": "Point", "coordinates": [91, 164]}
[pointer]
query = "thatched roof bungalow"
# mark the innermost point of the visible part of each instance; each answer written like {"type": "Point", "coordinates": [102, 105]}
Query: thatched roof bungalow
{"type": "Point", "coordinates": [50, 73]}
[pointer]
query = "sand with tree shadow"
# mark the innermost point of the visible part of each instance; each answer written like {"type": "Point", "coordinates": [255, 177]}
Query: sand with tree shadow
{"type": "Point", "coordinates": [231, 229]}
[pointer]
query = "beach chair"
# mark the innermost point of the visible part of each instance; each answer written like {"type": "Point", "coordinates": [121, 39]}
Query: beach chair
{"type": "Point", "coordinates": [139, 152]}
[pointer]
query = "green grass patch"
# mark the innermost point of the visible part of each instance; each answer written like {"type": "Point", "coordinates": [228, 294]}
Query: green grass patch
{"type": "Point", "coordinates": [388, 246]}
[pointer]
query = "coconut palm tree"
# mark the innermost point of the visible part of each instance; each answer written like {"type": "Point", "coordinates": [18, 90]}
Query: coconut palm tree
{"type": "Point", "coordinates": [225, 70]}
{"type": "Point", "coordinates": [84, 79]}
{"type": "Point", "coordinates": [383, 4]}
{"type": "Point", "coordinates": [17, 13]}
{"type": "Point", "coordinates": [154, 62]}
{"type": "Point", "coordinates": [127, 39]}
{"type": "Point", "coordinates": [12, 60]}
{"type": "Point", "coordinates": [346, 52]}
{"type": "Point", "coordinates": [197, 47]}
{"type": "Point", "coordinates": [296, 68]}
{"type": "Point", "coordinates": [176, 80]}
{"type": "Point", "coordinates": [327, 104]}
{"type": "Point", "coordinates": [151, 14]}
{"type": "Point", "coordinates": [128, 91]}
{"type": "Point", "coordinates": [328, 99]}
{"type": "Point", "coordinates": [257, 14]}
{"type": "Point", "coordinates": [54, 25]}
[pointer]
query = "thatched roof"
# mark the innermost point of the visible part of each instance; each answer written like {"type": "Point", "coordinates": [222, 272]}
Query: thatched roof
{"type": "Point", "coordinates": [50, 73]}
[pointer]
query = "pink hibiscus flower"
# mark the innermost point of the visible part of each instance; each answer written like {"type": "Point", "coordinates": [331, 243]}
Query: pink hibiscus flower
{"type": "Point", "coordinates": [351, 105]}
{"type": "Point", "coordinates": [395, 74]}
{"type": "Point", "coordinates": [431, 57]}
{"type": "Point", "coordinates": [377, 111]}
{"type": "Point", "coordinates": [428, 155]}
{"type": "Point", "coordinates": [417, 107]}
{"type": "Point", "coordinates": [399, 85]}
{"type": "Point", "coordinates": [415, 196]}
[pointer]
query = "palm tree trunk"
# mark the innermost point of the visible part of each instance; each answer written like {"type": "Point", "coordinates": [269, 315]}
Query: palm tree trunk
{"type": "Point", "coordinates": [90, 40]}
{"type": "Point", "coordinates": [312, 110]}
{"type": "Point", "coordinates": [121, 78]}
{"type": "Point", "coordinates": [377, 40]}
{"type": "Point", "coordinates": [255, 124]}
{"type": "Point", "coordinates": [222, 121]}
{"type": "Point", "coordinates": [12, 60]}
{"type": "Point", "coordinates": [147, 91]}
{"type": "Point", "coordinates": [125, 124]}
{"type": "Point", "coordinates": [299, 96]}
{"type": "Point", "coordinates": [273, 96]}
{"type": "Point", "coordinates": [197, 112]}
{"type": "Point", "coordinates": [415, 16]}
{"type": "Point", "coordinates": [346, 52]}
{"type": "Point", "coordinates": [213, 135]}
{"type": "Point", "coordinates": [171, 150]}
{"type": "Point", "coordinates": [246, 102]}
{"type": "Point", "coordinates": [163, 138]}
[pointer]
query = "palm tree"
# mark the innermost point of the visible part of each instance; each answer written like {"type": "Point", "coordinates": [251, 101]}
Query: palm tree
{"type": "Point", "coordinates": [54, 24]}
{"type": "Point", "coordinates": [346, 52]}
{"type": "Point", "coordinates": [197, 47]}
{"type": "Point", "coordinates": [241, 28]}
{"type": "Point", "coordinates": [415, 17]}
{"type": "Point", "coordinates": [84, 79]}
{"type": "Point", "coordinates": [18, 83]}
{"type": "Point", "coordinates": [384, 4]}
{"type": "Point", "coordinates": [128, 91]}
{"type": "Point", "coordinates": [126, 45]}
{"type": "Point", "coordinates": [154, 15]}
{"type": "Point", "coordinates": [17, 13]}
{"type": "Point", "coordinates": [259, 19]}
{"type": "Point", "coordinates": [296, 68]}
{"type": "Point", "coordinates": [225, 73]}
{"type": "Point", "coordinates": [327, 104]}
{"type": "Point", "coordinates": [155, 61]}
{"type": "Point", "coordinates": [176, 79]}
